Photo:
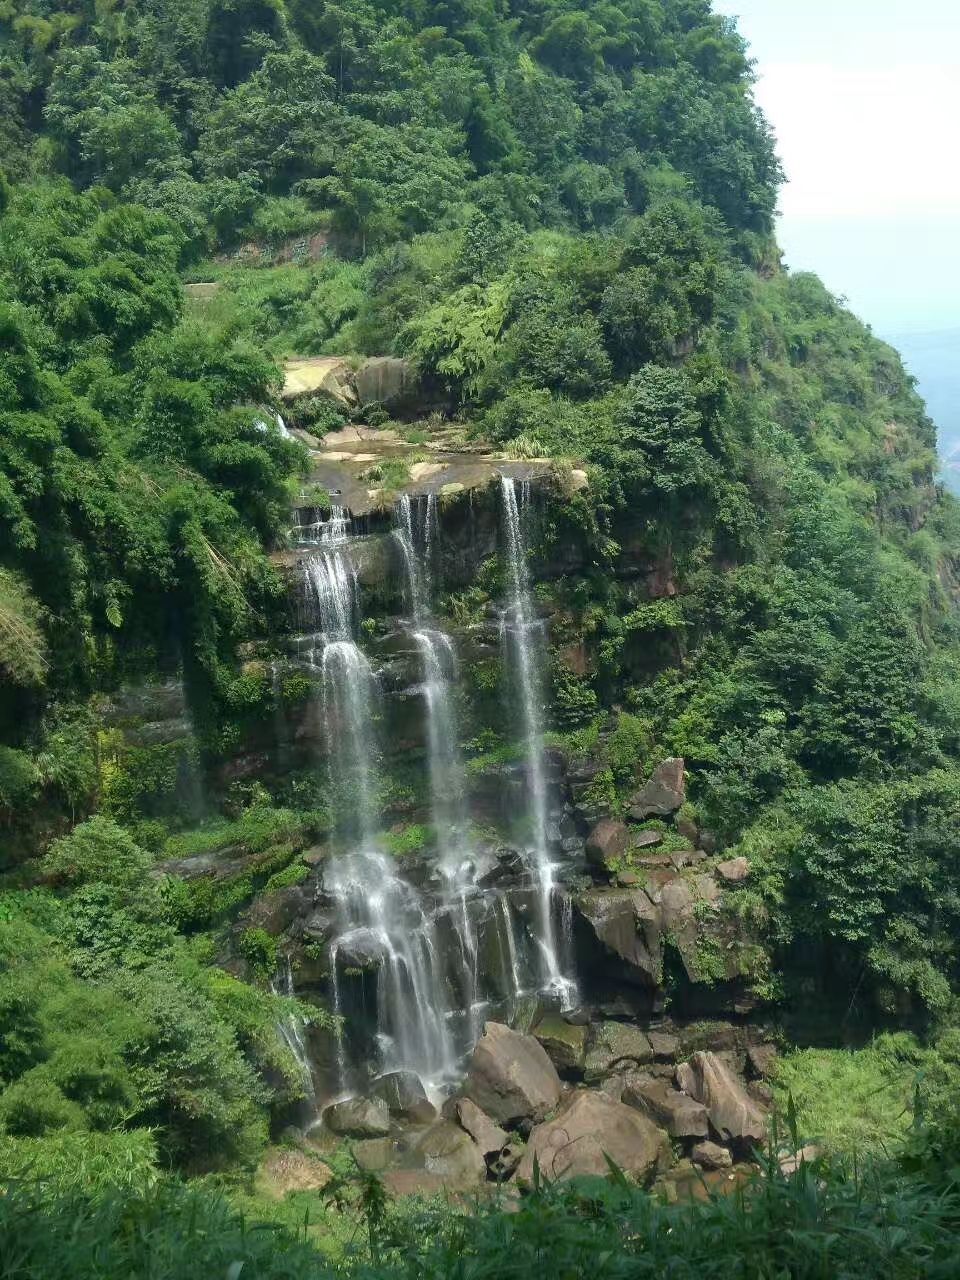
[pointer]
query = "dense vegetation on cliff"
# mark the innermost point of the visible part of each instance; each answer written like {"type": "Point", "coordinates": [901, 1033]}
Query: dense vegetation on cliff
{"type": "Point", "coordinates": [563, 217]}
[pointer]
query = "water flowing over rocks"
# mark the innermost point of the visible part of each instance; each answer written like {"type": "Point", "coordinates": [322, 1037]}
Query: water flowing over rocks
{"type": "Point", "coordinates": [525, 933]}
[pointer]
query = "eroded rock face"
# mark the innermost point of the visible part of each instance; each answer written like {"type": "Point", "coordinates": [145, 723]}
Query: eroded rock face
{"type": "Point", "coordinates": [679, 1114]}
{"type": "Point", "coordinates": [362, 949]}
{"type": "Point", "coordinates": [385, 380]}
{"type": "Point", "coordinates": [626, 923]}
{"type": "Point", "coordinates": [358, 1118]}
{"type": "Point", "coordinates": [663, 794]}
{"type": "Point", "coordinates": [510, 1077]}
{"type": "Point", "coordinates": [734, 870]}
{"type": "Point", "coordinates": [405, 1096]}
{"type": "Point", "coordinates": [735, 1117]}
{"type": "Point", "coordinates": [589, 1128]}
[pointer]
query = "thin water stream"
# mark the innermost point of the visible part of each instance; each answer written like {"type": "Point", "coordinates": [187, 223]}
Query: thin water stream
{"type": "Point", "coordinates": [522, 640]}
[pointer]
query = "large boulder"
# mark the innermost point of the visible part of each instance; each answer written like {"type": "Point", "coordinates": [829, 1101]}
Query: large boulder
{"type": "Point", "coordinates": [762, 1060]}
{"type": "Point", "coordinates": [405, 1096]}
{"type": "Point", "coordinates": [283, 1170]}
{"type": "Point", "coordinates": [385, 380]}
{"type": "Point", "coordinates": [565, 1043]}
{"type": "Point", "coordinates": [734, 1115]}
{"type": "Point", "coordinates": [452, 1155]}
{"type": "Point", "coordinates": [330, 374]}
{"type": "Point", "coordinates": [590, 1128]}
{"type": "Point", "coordinates": [678, 1113]}
{"type": "Point", "coordinates": [608, 839]}
{"type": "Point", "coordinates": [626, 925]}
{"type": "Point", "coordinates": [363, 949]}
{"type": "Point", "coordinates": [734, 870]}
{"type": "Point", "coordinates": [708, 1155]}
{"type": "Point", "coordinates": [488, 1136]}
{"type": "Point", "coordinates": [616, 1046]}
{"type": "Point", "coordinates": [663, 794]}
{"type": "Point", "coordinates": [358, 1118]}
{"type": "Point", "coordinates": [510, 1077]}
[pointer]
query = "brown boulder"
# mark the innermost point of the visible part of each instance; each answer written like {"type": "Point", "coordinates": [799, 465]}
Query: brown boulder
{"type": "Point", "coordinates": [762, 1059]}
{"type": "Point", "coordinates": [678, 1113]}
{"type": "Point", "coordinates": [590, 1128]}
{"type": "Point", "coordinates": [489, 1137]}
{"type": "Point", "coordinates": [647, 839]}
{"type": "Point", "coordinates": [451, 1154]}
{"type": "Point", "coordinates": [735, 1117]}
{"type": "Point", "coordinates": [709, 1155]}
{"type": "Point", "coordinates": [510, 1077]}
{"type": "Point", "coordinates": [663, 794]}
{"type": "Point", "coordinates": [358, 1118]}
{"type": "Point", "coordinates": [617, 1046]}
{"type": "Point", "coordinates": [665, 1046]}
{"type": "Point", "coordinates": [404, 1094]}
{"type": "Point", "coordinates": [608, 839]}
{"type": "Point", "coordinates": [626, 923]}
{"type": "Point", "coordinates": [734, 870]}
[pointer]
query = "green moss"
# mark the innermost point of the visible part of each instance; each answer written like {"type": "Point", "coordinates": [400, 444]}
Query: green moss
{"type": "Point", "coordinates": [404, 841]}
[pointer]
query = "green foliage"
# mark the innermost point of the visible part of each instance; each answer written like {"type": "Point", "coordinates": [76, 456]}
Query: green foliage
{"type": "Point", "coordinates": [97, 851]}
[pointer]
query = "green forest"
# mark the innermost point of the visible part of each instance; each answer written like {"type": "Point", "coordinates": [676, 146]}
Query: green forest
{"type": "Point", "coordinates": [562, 217]}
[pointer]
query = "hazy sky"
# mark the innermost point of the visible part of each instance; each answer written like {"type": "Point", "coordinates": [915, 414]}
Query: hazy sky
{"type": "Point", "coordinates": [864, 97]}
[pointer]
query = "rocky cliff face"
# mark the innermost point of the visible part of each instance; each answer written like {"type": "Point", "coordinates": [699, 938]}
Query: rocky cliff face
{"type": "Point", "coordinates": [462, 867]}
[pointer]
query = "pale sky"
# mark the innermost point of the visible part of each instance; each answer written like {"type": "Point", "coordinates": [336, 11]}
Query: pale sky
{"type": "Point", "coordinates": [864, 97]}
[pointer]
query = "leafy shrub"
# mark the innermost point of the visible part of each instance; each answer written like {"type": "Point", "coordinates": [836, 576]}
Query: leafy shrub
{"type": "Point", "coordinates": [97, 850]}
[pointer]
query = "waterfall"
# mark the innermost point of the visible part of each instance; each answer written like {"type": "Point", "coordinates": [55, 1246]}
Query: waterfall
{"type": "Point", "coordinates": [389, 923]}
{"type": "Point", "coordinates": [327, 532]}
{"type": "Point", "coordinates": [520, 633]}
{"type": "Point", "coordinates": [382, 919]}
{"type": "Point", "coordinates": [290, 1030]}
{"type": "Point", "coordinates": [415, 528]}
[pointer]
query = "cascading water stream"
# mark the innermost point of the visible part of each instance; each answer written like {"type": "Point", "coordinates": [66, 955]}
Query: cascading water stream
{"type": "Point", "coordinates": [415, 528]}
{"type": "Point", "coordinates": [377, 910]}
{"type": "Point", "coordinates": [291, 1030]}
{"type": "Point", "coordinates": [520, 633]}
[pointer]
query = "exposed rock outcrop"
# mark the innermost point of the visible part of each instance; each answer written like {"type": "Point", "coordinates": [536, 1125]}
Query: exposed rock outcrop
{"type": "Point", "coordinates": [488, 1136]}
{"type": "Point", "coordinates": [662, 794]}
{"type": "Point", "coordinates": [566, 1044]}
{"type": "Point", "coordinates": [616, 1046]}
{"type": "Point", "coordinates": [710, 1155]}
{"type": "Point", "coordinates": [608, 839]}
{"type": "Point", "coordinates": [451, 1154]}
